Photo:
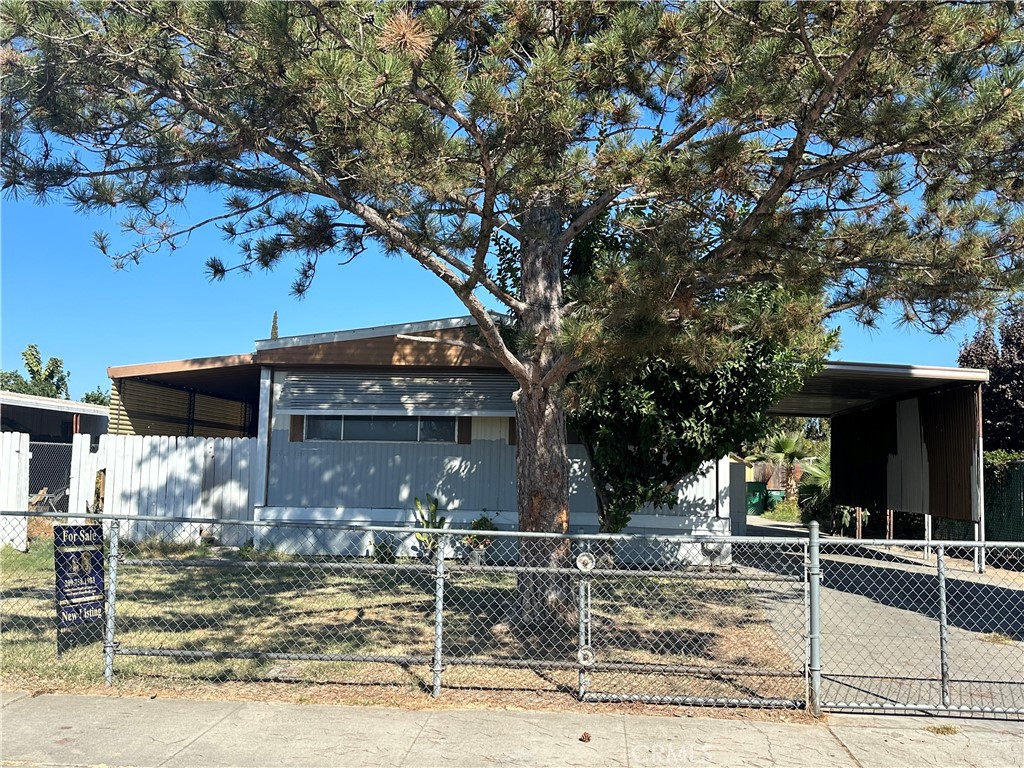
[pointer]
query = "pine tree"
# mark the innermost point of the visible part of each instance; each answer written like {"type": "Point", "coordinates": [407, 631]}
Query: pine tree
{"type": "Point", "coordinates": [859, 154]}
{"type": "Point", "coordinates": [1002, 401]}
{"type": "Point", "coordinates": [273, 326]}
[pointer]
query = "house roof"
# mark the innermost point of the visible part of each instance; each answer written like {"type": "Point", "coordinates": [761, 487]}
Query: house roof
{"type": "Point", "coordinates": [839, 387]}
{"type": "Point", "coordinates": [52, 404]}
{"type": "Point", "coordinates": [357, 334]}
{"type": "Point", "coordinates": [237, 377]}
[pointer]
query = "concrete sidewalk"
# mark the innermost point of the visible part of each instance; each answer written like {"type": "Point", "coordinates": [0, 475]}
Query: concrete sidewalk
{"type": "Point", "coordinates": [57, 730]}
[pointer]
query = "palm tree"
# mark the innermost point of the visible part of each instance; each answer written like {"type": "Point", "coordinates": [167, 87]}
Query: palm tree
{"type": "Point", "coordinates": [787, 450]}
{"type": "Point", "coordinates": [817, 489]}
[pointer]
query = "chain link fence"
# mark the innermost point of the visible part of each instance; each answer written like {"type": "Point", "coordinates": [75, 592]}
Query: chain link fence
{"type": "Point", "coordinates": [49, 476]}
{"type": "Point", "coordinates": [394, 614]}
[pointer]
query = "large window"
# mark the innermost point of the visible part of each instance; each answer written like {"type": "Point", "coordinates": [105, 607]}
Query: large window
{"type": "Point", "coordinates": [408, 429]}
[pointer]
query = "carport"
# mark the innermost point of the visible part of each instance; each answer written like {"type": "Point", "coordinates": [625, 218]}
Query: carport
{"type": "Point", "coordinates": [904, 438]}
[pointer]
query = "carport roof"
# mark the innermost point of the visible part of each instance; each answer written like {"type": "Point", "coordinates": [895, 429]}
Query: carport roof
{"type": "Point", "coordinates": [839, 387]}
{"type": "Point", "coordinates": [843, 386]}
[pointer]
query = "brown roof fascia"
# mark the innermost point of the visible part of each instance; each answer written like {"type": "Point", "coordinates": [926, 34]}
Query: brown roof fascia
{"type": "Point", "coordinates": [383, 351]}
{"type": "Point", "coordinates": [175, 366]}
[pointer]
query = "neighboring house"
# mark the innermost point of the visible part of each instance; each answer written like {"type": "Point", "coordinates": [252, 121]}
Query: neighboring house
{"type": "Point", "coordinates": [50, 424]}
{"type": "Point", "coordinates": [354, 425]}
{"type": "Point", "coordinates": [49, 419]}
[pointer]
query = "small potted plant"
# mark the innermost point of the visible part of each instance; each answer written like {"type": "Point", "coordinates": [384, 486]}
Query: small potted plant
{"type": "Point", "coordinates": [477, 543]}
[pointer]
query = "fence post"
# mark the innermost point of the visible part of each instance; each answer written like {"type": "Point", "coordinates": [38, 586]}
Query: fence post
{"type": "Point", "coordinates": [943, 625]}
{"type": "Point", "coordinates": [584, 635]}
{"type": "Point", "coordinates": [814, 618]}
{"type": "Point", "coordinates": [438, 667]}
{"type": "Point", "coordinates": [108, 639]}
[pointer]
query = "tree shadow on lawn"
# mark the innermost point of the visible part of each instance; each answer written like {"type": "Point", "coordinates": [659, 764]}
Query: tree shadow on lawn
{"type": "Point", "coordinates": [272, 613]}
{"type": "Point", "coordinates": [477, 626]}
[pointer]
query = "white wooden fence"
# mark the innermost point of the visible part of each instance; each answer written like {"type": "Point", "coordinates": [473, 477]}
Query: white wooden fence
{"type": "Point", "coordinates": [168, 477]}
{"type": "Point", "coordinates": [14, 461]}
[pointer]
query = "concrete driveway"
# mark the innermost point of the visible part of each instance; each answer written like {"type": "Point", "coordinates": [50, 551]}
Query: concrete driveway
{"type": "Point", "coordinates": [880, 628]}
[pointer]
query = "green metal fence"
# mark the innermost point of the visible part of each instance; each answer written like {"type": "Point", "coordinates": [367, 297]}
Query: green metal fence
{"type": "Point", "coordinates": [1004, 503]}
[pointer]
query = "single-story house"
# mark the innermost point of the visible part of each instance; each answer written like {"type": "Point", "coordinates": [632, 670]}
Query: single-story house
{"type": "Point", "coordinates": [49, 419]}
{"type": "Point", "coordinates": [354, 425]}
{"type": "Point", "coordinates": [47, 425]}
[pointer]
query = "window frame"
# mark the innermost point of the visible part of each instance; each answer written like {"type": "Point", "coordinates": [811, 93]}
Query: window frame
{"type": "Point", "coordinates": [454, 420]}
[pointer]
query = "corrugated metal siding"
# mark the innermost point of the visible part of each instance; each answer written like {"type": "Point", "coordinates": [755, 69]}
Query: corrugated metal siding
{"type": "Point", "coordinates": [390, 475]}
{"type": "Point", "coordinates": [217, 417]}
{"type": "Point", "coordinates": [907, 479]}
{"type": "Point", "coordinates": [950, 427]}
{"type": "Point", "coordinates": [138, 408]}
{"type": "Point", "coordinates": [141, 408]}
{"type": "Point", "coordinates": [462, 394]}
{"type": "Point", "coordinates": [478, 476]}
{"type": "Point", "coordinates": [916, 455]}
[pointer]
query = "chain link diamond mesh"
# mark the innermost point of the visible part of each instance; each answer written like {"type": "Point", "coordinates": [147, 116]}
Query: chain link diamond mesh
{"type": "Point", "coordinates": [395, 615]}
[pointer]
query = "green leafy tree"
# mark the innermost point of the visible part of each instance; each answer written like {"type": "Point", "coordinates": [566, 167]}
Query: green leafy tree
{"type": "Point", "coordinates": [45, 380]}
{"type": "Point", "coordinates": [647, 426]}
{"type": "Point", "coordinates": [1002, 401]}
{"type": "Point", "coordinates": [868, 151]}
{"type": "Point", "coordinates": [97, 397]}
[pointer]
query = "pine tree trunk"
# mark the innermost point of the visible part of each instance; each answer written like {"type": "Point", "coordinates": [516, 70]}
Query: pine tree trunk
{"type": "Point", "coordinates": [542, 465]}
{"type": "Point", "coordinates": [543, 483]}
{"type": "Point", "coordinates": [792, 477]}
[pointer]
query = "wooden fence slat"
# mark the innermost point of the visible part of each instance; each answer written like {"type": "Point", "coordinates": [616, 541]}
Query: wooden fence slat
{"type": "Point", "coordinates": [14, 465]}
{"type": "Point", "coordinates": [154, 475]}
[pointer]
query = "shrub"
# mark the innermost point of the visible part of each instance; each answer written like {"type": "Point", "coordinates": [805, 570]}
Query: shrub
{"type": "Point", "coordinates": [482, 541]}
{"type": "Point", "coordinates": [786, 511]}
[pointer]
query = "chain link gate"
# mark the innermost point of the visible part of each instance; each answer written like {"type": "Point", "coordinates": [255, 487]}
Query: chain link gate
{"type": "Point", "coordinates": [729, 633]}
{"type": "Point", "coordinates": [910, 627]}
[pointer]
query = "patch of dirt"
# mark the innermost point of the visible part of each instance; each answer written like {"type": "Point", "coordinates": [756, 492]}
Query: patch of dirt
{"type": "Point", "coordinates": [943, 730]}
{"type": "Point", "coordinates": [369, 695]}
{"type": "Point", "coordinates": [40, 528]}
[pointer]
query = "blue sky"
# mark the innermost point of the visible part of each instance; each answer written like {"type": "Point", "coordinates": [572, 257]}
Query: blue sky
{"type": "Point", "coordinates": [60, 293]}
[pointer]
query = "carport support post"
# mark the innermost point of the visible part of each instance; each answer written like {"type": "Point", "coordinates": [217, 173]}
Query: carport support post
{"type": "Point", "coordinates": [940, 557]}
{"type": "Point", "coordinates": [814, 620]}
{"type": "Point", "coordinates": [438, 666]}
{"type": "Point", "coordinates": [108, 637]}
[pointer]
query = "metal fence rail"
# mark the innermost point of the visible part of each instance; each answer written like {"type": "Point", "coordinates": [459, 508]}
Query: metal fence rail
{"type": "Point", "coordinates": [740, 621]}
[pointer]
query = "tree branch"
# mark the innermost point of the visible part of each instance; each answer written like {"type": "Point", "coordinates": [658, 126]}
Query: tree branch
{"type": "Point", "coordinates": [784, 179]}
{"type": "Point", "coordinates": [448, 342]}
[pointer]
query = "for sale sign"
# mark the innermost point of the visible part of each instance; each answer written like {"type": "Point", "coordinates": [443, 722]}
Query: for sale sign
{"type": "Point", "coordinates": [78, 565]}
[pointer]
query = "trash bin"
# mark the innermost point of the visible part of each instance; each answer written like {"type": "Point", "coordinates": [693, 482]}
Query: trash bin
{"type": "Point", "coordinates": [756, 496]}
{"type": "Point", "coordinates": [775, 497]}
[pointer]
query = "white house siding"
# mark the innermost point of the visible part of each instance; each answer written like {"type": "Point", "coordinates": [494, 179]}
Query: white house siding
{"type": "Point", "coordinates": [14, 465]}
{"type": "Point", "coordinates": [390, 475]}
{"type": "Point", "coordinates": [378, 482]}
{"type": "Point", "coordinates": [355, 478]}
